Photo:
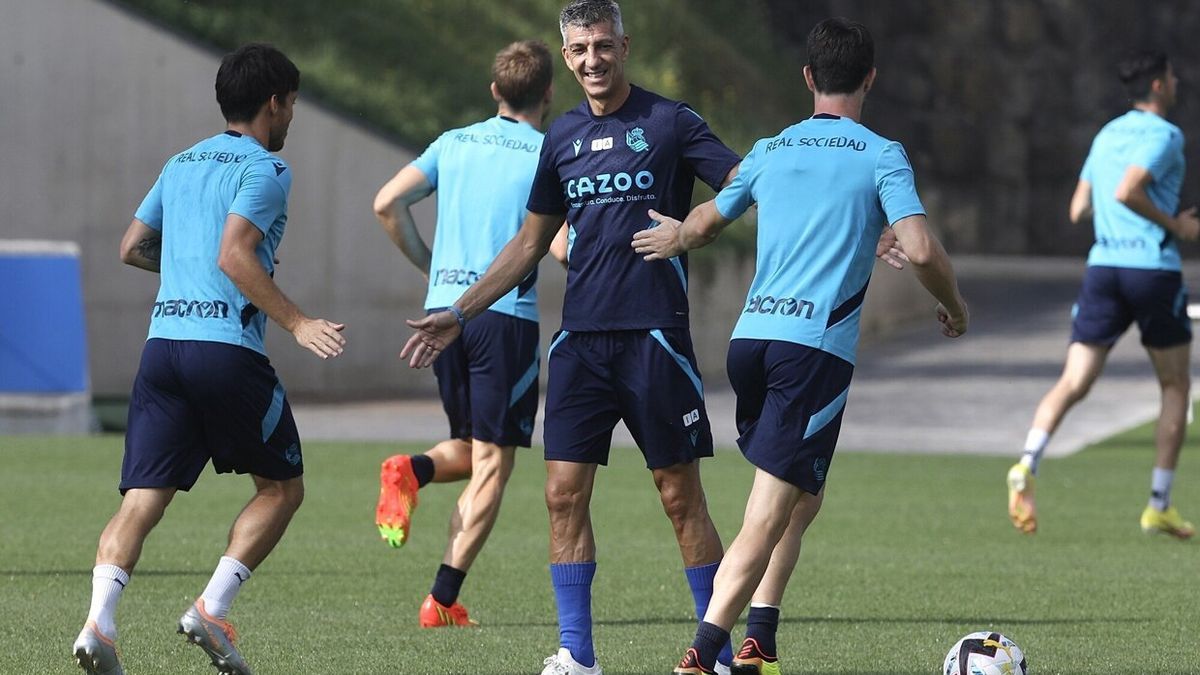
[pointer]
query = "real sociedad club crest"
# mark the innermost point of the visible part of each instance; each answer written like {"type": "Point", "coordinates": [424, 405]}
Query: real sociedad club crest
{"type": "Point", "coordinates": [636, 139]}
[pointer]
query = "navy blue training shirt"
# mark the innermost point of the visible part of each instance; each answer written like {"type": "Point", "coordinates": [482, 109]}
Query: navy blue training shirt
{"type": "Point", "coordinates": [605, 173]}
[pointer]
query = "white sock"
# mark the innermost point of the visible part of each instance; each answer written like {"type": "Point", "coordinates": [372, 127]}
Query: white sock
{"type": "Point", "coordinates": [107, 583]}
{"type": "Point", "coordinates": [1035, 445]}
{"type": "Point", "coordinates": [226, 581]}
{"type": "Point", "coordinates": [1160, 488]}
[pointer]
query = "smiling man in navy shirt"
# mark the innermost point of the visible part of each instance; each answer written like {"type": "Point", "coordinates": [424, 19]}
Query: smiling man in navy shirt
{"type": "Point", "coordinates": [624, 351]}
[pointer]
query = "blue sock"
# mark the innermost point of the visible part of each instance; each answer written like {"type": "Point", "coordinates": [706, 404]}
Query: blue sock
{"type": "Point", "coordinates": [573, 596]}
{"type": "Point", "coordinates": [761, 624]}
{"type": "Point", "coordinates": [701, 581]}
{"type": "Point", "coordinates": [709, 639]}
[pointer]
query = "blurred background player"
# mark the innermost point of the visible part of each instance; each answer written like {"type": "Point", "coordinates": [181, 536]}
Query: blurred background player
{"type": "Point", "coordinates": [827, 189]}
{"type": "Point", "coordinates": [211, 225]}
{"type": "Point", "coordinates": [489, 379]}
{"type": "Point", "coordinates": [624, 351]}
{"type": "Point", "coordinates": [1129, 188]}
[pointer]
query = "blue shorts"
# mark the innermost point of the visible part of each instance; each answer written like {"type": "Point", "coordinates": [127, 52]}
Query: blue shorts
{"type": "Point", "coordinates": [648, 378]}
{"type": "Point", "coordinates": [790, 400]}
{"type": "Point", "coordinates": [193, 401]}
{"type": "Point", "coordinates": [488, 380]}
{"type": "Point", "coordinates": [1114, 297]}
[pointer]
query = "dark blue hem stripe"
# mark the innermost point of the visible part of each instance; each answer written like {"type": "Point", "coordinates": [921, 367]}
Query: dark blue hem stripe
{"type": "Point", "coordinates": [846, 308]}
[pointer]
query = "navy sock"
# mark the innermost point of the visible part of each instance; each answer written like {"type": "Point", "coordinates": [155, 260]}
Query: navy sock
{"type": "Point", "coordinates": [447, 584]}
{"type": "Point", "coordinates": [573, 597]}
{"type": "Point", "coordinates": [700, 579]}
{"type": "Point", "coordinates": [422, 466]}
{"type": "Point", "coordinates": [709, 640]}
{"type": "Point", "coordinates": [761, 625]}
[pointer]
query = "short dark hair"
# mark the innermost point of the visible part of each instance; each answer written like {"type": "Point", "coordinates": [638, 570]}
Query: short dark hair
{"type": "Point", "coordinates": [522, 72]}
{"type": "Point", "coordinates": [840, 54]}
{"type": "Point", "coordinates": [585, 13]}
{"type": "Point", "coordinates": [250, 76]}
{"type": "Point", "coordinates": [1138, 70]}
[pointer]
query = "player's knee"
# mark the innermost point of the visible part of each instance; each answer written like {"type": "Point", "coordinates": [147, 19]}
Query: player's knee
{"type": "Point", "coordinates": [287, 494]}
{"type": "Point", "coordinates": [681, 503]}
{"type": "Point", "coordinates": [1076, 388]}
{"type": "Point", "coordinates": [770, 525]}
{"type": "Point", "coordinates": [1179, 381]}
{"type": "Point", "coordinates": [564, 498]}
{"type": "Point", "coordinates": [145, 506]}
{"type": "Point", "coordinates": [491, 463]}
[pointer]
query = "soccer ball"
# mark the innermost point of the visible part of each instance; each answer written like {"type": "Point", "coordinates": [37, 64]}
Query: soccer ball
{"type": "Point", "coordinates": [985, 653]}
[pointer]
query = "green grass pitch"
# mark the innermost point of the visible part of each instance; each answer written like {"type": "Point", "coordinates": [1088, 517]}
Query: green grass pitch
{"type": "Point", "coordinates": [909, 553]}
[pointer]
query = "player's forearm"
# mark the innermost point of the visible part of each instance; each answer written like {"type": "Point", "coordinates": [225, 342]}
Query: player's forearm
{"type": "Point", "coordinates": [1139, 202]}
{"type": "Point", "coordinates": [145, 253]}
{"type": "Point", "coordinates": [511, 266]}
{"type": "Point", "coordinates": [248, 274]}
{"type": "Point", "coordinates": [936, 274]}
{"type": "Point", "coordinates": [1081, 211]}
{"type": "Point", "coordinates": [402, 230]}
{"type": "Point", "coordinates": [702, 226]}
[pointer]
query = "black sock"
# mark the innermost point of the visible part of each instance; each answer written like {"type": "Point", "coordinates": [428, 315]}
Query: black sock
{"type": "Point", "coordinates": [708, 643]}
{"type": "Point", "coordinates": [761, 625]}
{"type": "Point", "coordinates": [447, 584]}
{"type": "Point", "coordinates": [422, 466]}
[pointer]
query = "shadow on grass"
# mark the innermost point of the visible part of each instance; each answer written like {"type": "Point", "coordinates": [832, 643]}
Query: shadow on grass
{"type": "Point", "coordinates": [850, 620]}
{"type": "Point", "coordinates": [87, 572]}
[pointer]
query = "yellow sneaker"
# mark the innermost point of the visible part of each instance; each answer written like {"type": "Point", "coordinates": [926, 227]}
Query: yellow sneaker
{"type": "Point", "coordinates": [1021, 510]}
{"type": "Point", "coordinates": [1167, 522]}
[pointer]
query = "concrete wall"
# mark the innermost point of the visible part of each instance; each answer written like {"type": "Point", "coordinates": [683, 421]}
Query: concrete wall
{"type": "Point", "coordinates": [93, 100]}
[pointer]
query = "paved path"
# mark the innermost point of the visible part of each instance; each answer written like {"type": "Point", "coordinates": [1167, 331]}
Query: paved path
{"type": "Point", "coordinates": [913, 392]}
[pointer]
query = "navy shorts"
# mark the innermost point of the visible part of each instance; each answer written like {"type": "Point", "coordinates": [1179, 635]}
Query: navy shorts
{"type": "Point", "coordinates": [790, 400]}
{"type": "Point", "coordinates": [194, 401]}
{"type": "Point", "coordinates": [1114, 297]}
{"type": "Point", "coordinates": [648, 378]}
{"type": "Point", "coordinates": [488, 380]}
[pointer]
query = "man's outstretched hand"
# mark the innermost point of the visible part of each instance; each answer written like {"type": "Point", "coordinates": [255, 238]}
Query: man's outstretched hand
{"type": "Point", "coordinates": [431, 336]}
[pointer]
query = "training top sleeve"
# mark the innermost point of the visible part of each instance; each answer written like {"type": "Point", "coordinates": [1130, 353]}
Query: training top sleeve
{"type": "Point", "coordinates": [897, 187]}
{"type": "Point", "coordinates": [262, 193]}
{"type": "Point", "coordinates": [1086, 172]}
{"type": "Point", "coordinates": [1157, 151]}
{"type": "Point", "coordinates": [428, 161]}
{"type": "Point", "coordinates": [709, 157]}
{"type": "Point", "coordinates": [735, 198]}
{"type": "Point", "coordinates": [151, 210]}
{"type": "Point", "coordinates": [546, 193]}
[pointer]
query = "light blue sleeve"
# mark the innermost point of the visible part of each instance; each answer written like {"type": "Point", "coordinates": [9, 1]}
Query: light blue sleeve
{"type": "Point", "coordinates": [735, 198]}
{"type": "Point", "coordinates": [897, 187]}
{"type": "Point", "coordinates": [1086, 172]}
{"type": "Point", "coordinates": [262, 194]}
{"type": "Point", "coordinates": [151, 210]}
{"type": "Point", "coordinates": [428, 161]}
{"type": "Point", "coordinates": [1156, 152]}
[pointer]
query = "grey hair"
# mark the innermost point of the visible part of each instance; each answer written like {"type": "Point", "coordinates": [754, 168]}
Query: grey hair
{"type": "Point", "coordinates": [586, 13]}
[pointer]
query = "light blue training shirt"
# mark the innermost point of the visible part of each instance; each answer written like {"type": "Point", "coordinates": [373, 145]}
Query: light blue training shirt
{"type": "Point", "coordinates": [825, 189]}
{"type": "Point", "coordinates": [197, 189]}
{"type": "Point", "coordinates": [1123, 238]}
{"type": "Point", "coordinates": [482, 174]}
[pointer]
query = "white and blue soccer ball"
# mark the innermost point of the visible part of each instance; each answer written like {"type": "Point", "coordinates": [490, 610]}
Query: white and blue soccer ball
{"type": "Point", "coordinates": [985, 653]}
